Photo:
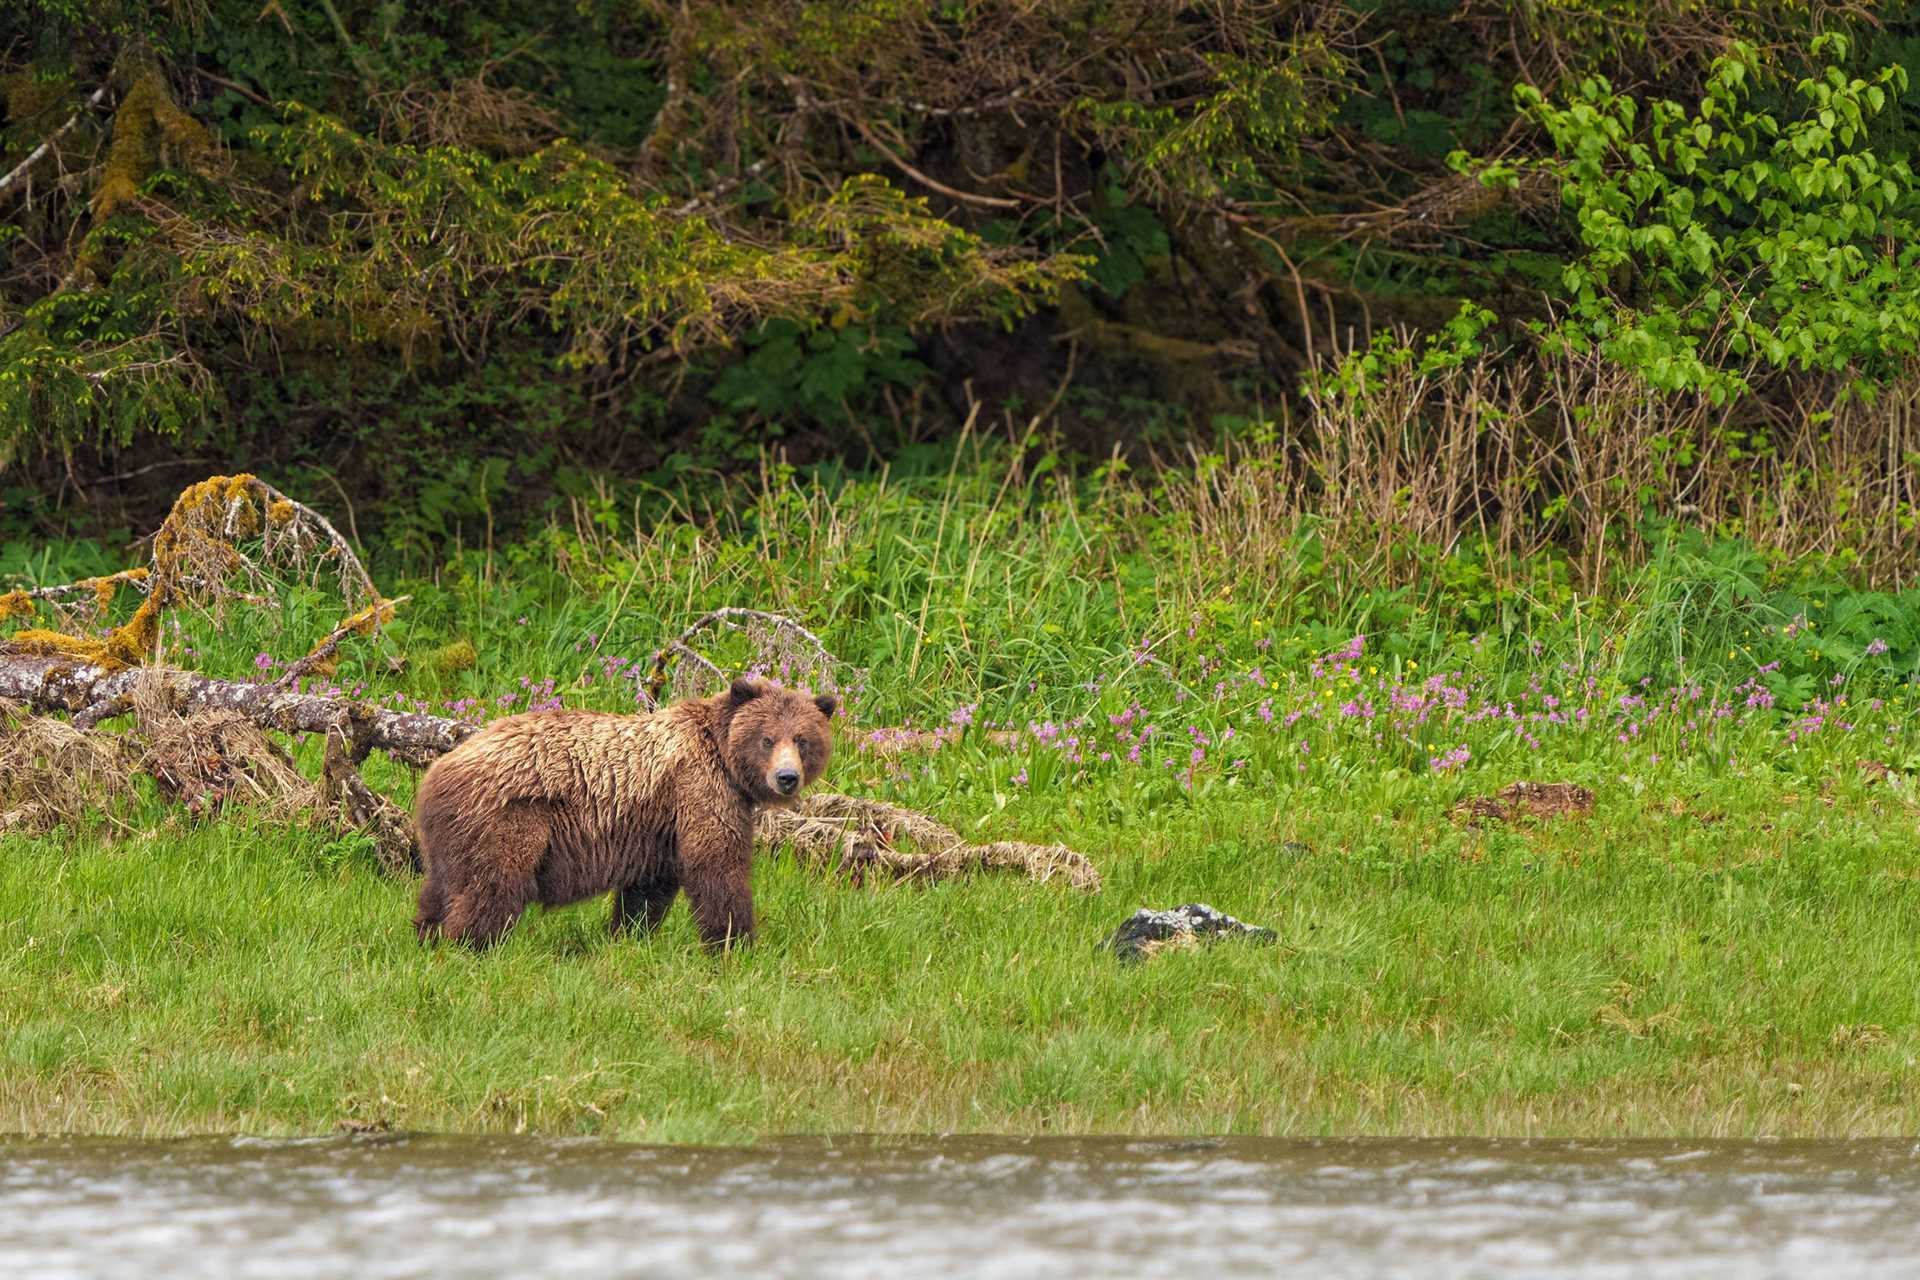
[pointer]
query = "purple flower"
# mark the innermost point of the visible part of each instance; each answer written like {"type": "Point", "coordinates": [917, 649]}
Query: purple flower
{"type": "Point", "coordinates": [1876, 647]}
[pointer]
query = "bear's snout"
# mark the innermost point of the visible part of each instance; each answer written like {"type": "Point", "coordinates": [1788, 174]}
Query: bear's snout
{"type": "Point", "coordinates": [783, 771]}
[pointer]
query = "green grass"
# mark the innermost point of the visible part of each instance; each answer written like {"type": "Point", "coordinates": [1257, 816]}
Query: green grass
{"type": "Point", "coordinates": [1656, 968]}
{"type": "Point", "coordinates": [1726, 945]}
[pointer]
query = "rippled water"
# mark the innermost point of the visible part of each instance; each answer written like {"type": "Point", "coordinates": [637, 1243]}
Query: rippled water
{"type": "Point", "coordinates": [437, 1206]}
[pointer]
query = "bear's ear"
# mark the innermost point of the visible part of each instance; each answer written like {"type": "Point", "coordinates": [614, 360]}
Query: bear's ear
{"type": "Point", "coordinates": [745, 690]}
{"type": "Point", "coordinates": [828, 704]}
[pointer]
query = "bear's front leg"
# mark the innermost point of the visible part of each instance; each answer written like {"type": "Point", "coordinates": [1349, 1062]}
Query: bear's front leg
{"type": "Point", "coordinates": [716, 866]}
{"type": "Point", "coordinates": [644, 904]}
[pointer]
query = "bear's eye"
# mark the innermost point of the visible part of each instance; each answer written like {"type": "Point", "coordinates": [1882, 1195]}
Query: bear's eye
{"type": "Point", "coordinates": [800, 744]}
{"type": "Point", "coordinates": [766, 744]}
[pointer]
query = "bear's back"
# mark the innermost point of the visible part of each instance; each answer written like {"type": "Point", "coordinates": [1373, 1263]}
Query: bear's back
{"type": "Point", "coordinates": [595, 764]}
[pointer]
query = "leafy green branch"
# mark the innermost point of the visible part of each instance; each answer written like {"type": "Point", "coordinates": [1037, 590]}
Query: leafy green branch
{"type": "Point", "coordinates": [1720, 241]}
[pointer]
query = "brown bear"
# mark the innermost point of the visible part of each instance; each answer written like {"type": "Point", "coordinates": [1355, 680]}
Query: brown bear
{"type": "Point", "coordinates": [558, 806]}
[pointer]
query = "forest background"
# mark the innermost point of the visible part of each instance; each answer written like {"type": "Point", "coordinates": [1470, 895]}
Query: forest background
{"type": "Point", "coordinates": [1507, 277]}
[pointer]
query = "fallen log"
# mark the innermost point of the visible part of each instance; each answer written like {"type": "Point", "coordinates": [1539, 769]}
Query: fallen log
{"type": "Point", "coordinates": [827, 828]}
{"type": "Point", "coordinates": [94, 694]}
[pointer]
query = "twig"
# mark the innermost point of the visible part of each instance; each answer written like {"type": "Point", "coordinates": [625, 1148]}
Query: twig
{"type": "Point", "coordinates": [722, 187]}
{"type": "Point", "coordinates": [150, 467]}
{"type": "Point", "coordinates": [656, 681]}
{"type": "Point", "coordinates": [135, 577]}
{"type": "Point", "coordinates": [14, 174]}
{"type": "Point", "coordinates": [991, 202]}
{"type": "Point", "coordinates": [365, 620]}
{"type": "Point", "coordinates": [224, 83]}
{"type": "Point", "coordinates": [139, 580]}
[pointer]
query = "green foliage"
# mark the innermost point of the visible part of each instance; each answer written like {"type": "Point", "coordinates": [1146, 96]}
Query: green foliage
{"type": "Point", "coordinates": [1720, 240]}
{"type": "Point", "coordinates": [822, 375]}
{"type": "Point", "coordinates": [1132, 240]}
{"type": "Point", "coordinates": [405, 246]}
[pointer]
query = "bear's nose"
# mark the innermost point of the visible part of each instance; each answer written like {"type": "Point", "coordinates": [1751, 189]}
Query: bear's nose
{"type": "Point", "coordinates": [787, 780]}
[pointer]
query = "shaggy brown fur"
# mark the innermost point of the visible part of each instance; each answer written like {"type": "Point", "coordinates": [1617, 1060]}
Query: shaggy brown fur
{"type": "Point", "coordinates": [558, 806]}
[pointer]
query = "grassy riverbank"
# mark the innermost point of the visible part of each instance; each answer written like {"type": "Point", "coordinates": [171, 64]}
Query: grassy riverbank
{"type": "Point", "coordinates": [1725, 945]}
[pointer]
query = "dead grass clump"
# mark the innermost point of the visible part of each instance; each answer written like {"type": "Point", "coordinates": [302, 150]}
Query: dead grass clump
{"type": "Point", "coordinates": [52, 773]}
{"type": "Point", "coordinates": [826, 828]}
{"type": "Point", "coordinates": [206, 760]}
{"type": "Point", "coordinates": [1526, 800]}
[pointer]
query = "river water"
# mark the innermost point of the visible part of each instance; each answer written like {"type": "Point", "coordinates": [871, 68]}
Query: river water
{"type": "Point", "coordinates": [393, 1206]}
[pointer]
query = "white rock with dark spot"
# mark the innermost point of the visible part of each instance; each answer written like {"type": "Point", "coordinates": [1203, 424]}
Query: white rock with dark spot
{"type": "Point", "coordinates": [1146, 931]}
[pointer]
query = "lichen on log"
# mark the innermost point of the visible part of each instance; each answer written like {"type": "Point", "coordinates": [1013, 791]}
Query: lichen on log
{"type": "Point", "coordinates": [93, 693]}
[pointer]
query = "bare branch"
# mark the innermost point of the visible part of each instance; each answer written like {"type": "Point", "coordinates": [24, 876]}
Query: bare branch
{"type": "Point", "coordinates": [136, 578]}
{"type": "Point", "coordinates": [359, 624]}
{"type": "Point", "coordinates": [734, 618]}
{"type": "Point", "coordinates": [991, 202]}
{"type": "Point", "coordinates": [18, 171]}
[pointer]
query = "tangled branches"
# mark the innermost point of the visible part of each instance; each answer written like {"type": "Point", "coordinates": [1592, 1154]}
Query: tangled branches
{"type": "Point", "coordinates": [779, 646]}
{"type": "Point", "coordinates": [222, 542]}
{"type": "Point", "coordinates": [1173, 91]}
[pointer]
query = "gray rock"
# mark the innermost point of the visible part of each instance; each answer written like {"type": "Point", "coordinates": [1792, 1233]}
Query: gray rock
{"type": "Point", "coordinates": [1147, 932]}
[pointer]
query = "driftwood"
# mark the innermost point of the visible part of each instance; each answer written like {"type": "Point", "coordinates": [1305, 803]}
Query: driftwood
{"type": "Point", "coordinates": [827, 829]}
{"type": "Point", "coordinates": [96, 693]}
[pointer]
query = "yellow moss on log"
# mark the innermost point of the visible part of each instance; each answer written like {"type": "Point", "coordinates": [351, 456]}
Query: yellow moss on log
{"type": "Point", "coordinates": [40, 643]}
{"type": "Point", "coordinates": [15, 604]}
{"type": "Point", "coordinates": [210, 502]}
{"type": "Point", "coordinates": [363, 622]}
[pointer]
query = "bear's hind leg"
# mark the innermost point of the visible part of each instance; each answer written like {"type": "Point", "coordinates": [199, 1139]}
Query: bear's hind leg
{"type": "Point", "coordinates": [644, 904]}
{"type": "Point", "coordinates": [481, 917]}
{"type": "Point", "coordinates": [433, 908]}
{"type": "Point", "coordinates": [501, 878]}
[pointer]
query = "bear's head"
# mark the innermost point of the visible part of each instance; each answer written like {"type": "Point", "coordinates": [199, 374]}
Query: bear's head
{"type": "Point", "coordinates": [777, 740]}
